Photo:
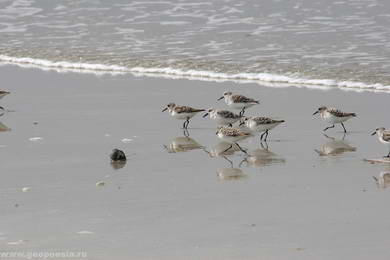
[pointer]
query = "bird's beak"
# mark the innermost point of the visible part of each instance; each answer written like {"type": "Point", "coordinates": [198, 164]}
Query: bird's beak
{"type": "Point", "coordinates": [205, 114]}
{"type": "Point", "coordinates": [315, 113]}
{"type": "Point", "coordinates": [373, 133]}
{"type": "Point", "coordinates": [165, 109]}
{"type": "Point", "coordinates": [216, 132]}
{"type": "Point", "coordinates": [220, 98]}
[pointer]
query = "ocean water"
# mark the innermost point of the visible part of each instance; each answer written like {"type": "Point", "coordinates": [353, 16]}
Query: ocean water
{"type": "Point", "coordinates": [315, 43]}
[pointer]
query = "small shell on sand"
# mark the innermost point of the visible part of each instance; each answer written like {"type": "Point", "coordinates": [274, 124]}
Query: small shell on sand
{"type": "Point", "coordinates": [100, 183]}
{"type": "Point", "coordinates": [26, 189]}
{"type": "Point", "coordinates": [85, 232]}
{"type": "Point", "coordinates": [34, 139]}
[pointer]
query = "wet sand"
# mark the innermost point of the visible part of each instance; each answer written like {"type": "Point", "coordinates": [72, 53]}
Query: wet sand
{"type": "Point", "coordinates": [307, 196]}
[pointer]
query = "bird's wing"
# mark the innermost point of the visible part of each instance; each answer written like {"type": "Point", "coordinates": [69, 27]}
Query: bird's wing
{"type": "Point", "coordinates": [187, 109]}
{"type": "Point", "coordinates": [339, 113]}
{"type": "Point", "coordinates": [243, 99]}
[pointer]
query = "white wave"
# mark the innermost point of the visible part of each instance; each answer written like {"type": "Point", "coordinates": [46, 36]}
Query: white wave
{"type": "Point", "coordinates": [266, 79]}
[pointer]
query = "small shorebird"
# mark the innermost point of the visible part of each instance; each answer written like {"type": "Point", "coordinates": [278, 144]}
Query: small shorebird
{"type": "Point", "coordinates": [223, 117]}
{"type": "Point", "coordinates": [238, 101]}
{"type": "Point", "coordinates": [334, 116]}
{"type": "Point", "coordinates": [384, 137]}
{"type": "Point", "coordinates": [3, 93]}
{"type": "Point", "coordinates": [232, 136]}
{"type": "Point", "coordinates": [261, 124]}
{"type": "Point", "coordinates": [182, 112]}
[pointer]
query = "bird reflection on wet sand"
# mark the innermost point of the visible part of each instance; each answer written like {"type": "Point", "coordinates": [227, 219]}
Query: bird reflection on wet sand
{"type": "Point", "coordinates": [182, 144]}
{"type": "Point", "coordinates": [262, 157]}
{"type": "Point", "coordinates": [383, 180]}
{"type": "Point", "coordinates": [335, 147]}
{"type": "Point", "coordinates": [226, 174]}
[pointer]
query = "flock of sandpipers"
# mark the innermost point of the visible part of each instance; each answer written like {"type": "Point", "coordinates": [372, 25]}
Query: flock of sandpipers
{"type": "Point", "coordinates": [251, 125]}
{"type": "Point", "coordinates": [248, 126]}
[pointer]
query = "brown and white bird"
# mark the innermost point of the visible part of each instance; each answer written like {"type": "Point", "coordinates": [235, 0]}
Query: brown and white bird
{"type": "Point", "coordinates": [232, 136]}
{"type": "Point", "coordinates": [222, 117]}
{"type": "Point", "coordinates": [238, 101]}
{"type": "Point", "coordinates": [261, 124]}
{"type": "Point", "coordinates": [334, 116]}
{"type": "Point", "coordinates": [182, 112]}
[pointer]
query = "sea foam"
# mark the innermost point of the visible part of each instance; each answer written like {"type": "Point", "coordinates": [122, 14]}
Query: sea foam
{"type": "Point", "coordinates": [266, 79]}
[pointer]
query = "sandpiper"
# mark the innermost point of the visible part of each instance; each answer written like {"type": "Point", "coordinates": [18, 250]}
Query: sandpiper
{"type": "Point", "coordinates": [222, 117]}
{"type": "Point", "coordinates": [232, 136]}
{"type": "Point", "coordinates": [182, 112]}
{"type": "Point", "coordinates": [261, 124]}
{"type": "Point", "coordinates": [238, 101]}
{"type": "Point", "coordinates": [3, 93]}
{"type": "Point", "coordinates": [334, 116]}
{"type": "Point", "coordinates": [384, 137]}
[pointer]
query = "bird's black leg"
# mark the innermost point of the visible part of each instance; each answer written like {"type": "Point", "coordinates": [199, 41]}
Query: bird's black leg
{"type": "Point", "coordinates": [388, 155]}
{"type": "Point", "coordinates": [185, 132]}
{"type": "Point", "coordinates": [188, 122]}
{"type": "Point", "coordinates": [230, 147]}
{"type": "Point", "coordinates": [231, 163]}
{"type": "Point", "coordinates": [328, 127]}
{"type": "Point", "coordinates": [184, 125]}
{"type": "Point", "coordinates": [243, 111]}
{"type": "Point", "coordinates": [261, 136]}
{"type": "Point", "coordinates": [242, 150]}
{"type": "Point", "coordinates": [345, 130]}
{"type": "Point", "coordinates": [266, 135]}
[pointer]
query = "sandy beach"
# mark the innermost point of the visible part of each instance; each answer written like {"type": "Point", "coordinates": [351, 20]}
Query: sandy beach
{"type": "Point", "coordinates": [308, 196]}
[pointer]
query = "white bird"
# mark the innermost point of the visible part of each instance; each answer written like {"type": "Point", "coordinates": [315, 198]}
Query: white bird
{"type": "Point", "coordinates": [238, 101]}
{"type": "Point", "coordinates": [334, 116]}
{"type": "Point", "coordinates": [384, 137]}
{"type": "Point", "coordinates": [222, 117]}
{"type": "Point", "coordinates": [261, 124]}
{"type": "Point", "coordinates": [232, 136]}
{"type": "Point", "coordinates": [182, 112]}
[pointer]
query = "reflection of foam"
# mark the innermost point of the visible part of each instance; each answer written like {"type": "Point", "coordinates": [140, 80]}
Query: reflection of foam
{"type": "Point", "coordinates": [265, 79]}
{"type": "Point", "coordinates": [230, 174]}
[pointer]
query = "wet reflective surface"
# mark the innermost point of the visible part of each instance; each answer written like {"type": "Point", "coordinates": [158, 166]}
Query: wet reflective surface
{"type": "Point", "coordinates": [335, 146]}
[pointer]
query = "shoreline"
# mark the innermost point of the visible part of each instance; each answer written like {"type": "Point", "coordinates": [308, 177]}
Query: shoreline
{"type": "Point", "coordinates": [263, 79]}
{"type": "Point", "coordinates": [285, 202]}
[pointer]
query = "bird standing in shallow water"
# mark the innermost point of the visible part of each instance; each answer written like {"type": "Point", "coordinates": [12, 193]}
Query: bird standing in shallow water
{"type": "Point", "coordinates": [232, 136]}
{"type": "Point", "coordinates": [384, 137]}
{"type": "Point", "coordinates": [182, 112]}
{"type": "Point", "coordinates": [261, 124]}
{"type": "Point", "coordinates": [238, 101]}
{"type": "Point", "coordinates": [334, 116]}
{"type": "Point", "coordinates": [222, 117]}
